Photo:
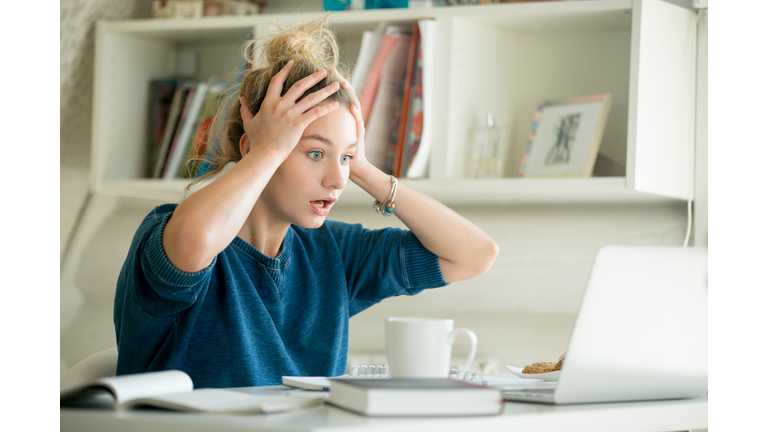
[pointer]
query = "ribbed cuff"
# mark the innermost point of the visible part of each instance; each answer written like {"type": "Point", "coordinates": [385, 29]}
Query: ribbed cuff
{"type": "Point", "coordinates": [161, 266]}
{"type": "Point", "coordinates": [422, 267]}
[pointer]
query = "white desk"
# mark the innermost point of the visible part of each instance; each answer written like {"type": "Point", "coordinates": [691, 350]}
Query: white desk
{"type": "Point", "coordinates": [674, 415]}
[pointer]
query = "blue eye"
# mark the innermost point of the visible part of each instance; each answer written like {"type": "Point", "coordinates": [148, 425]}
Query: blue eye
{"type": "Point", "coordinates": [315, 154]}
{"type": "Point", "coordinates": [345, 159]}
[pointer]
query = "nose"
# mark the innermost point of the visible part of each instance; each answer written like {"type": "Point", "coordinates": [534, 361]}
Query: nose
{"type": "Point", "coordinates": [336, 175]}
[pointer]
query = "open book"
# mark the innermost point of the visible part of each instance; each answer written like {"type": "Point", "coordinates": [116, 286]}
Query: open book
{"type": "Point", "coordinates": [173, 390]}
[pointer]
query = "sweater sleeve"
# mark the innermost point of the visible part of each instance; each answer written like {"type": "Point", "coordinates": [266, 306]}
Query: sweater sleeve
{"type": "Point", "coordinates": [159, 288]}
{"type": "Point", "coordinates": [384, 263]}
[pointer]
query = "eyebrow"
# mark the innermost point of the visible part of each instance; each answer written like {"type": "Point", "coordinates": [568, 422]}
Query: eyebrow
{"type": "Point", "coordinates": [324, 140]}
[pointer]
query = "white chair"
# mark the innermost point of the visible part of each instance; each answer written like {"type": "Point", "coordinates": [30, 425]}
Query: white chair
{"type": "Point", "coordinates": [98, 365]}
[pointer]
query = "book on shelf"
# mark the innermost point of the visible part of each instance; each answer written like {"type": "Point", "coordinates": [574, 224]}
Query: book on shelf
{"type": "Point", "coordinates": [420, 127]}
{"type": "Point", "coordinates": [177, 104]}
{"type": "Point", "coordinates": [195, 145]}
{"type": "Point", "coordinates": [388, 79]}
{"type": "Point", "coordinates": [371, 83]}
{"type": "Point", "coordinates": [187, 122]}
{"type": "Point", "coordinates": [173, 390]}
{"type": "Point", "coordinates": [184, 110]}
{"type": "Point", "coordinates": [396, 97]}
{"type": "Point", "coordinates": [405, 108]}
{"type": "Point", "coordinates": [228, 93]}
{"type": "Point", "coordinates": [368, 49]}
{"type": "Point", "coordinates": [415, 397]}
{"type": "Point", "coordinates": [161, 93]}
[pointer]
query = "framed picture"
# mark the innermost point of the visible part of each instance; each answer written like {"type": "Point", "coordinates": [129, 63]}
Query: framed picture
{"type": "Point", "coordinates": [565, 137]}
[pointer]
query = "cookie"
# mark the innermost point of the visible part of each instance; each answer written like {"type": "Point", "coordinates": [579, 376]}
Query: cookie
{"type": "Point", "coordinates": [538, 368]}
{"type": "Point", "coordinates": [559, 365]}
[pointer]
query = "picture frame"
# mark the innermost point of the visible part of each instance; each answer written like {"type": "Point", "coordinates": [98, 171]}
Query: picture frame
{"type": "Point", "coordinates": [565, 137]}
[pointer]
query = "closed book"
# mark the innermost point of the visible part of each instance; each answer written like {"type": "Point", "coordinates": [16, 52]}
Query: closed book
{"type": "Point", "coordinates": [415, 397]}
{"type": "Point", "coordinates": [161, 94]}
{"type": "Point", "coordinates": [382, 123]}
{"type": "Point", "coordinates": [404, 113]}
{"type": "Point", "coordinates": [170, 127]}
{"type": "Point", "coordinates": [187, 123]}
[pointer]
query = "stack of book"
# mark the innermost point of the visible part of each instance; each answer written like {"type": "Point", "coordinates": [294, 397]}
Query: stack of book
{"type": "Point", "coordinates": [180, 113]}
{"type": "Point", "coordinates": [392, 77]}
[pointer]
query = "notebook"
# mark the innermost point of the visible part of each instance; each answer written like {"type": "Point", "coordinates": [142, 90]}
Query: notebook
{"type": "Point", "coordinates": [368, 372]}
{"type": "Point", "coordinates": [640, 333]}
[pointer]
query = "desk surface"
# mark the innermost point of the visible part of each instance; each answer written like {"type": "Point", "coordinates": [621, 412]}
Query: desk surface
{"type": "Point", "coordinates": [632, 416]}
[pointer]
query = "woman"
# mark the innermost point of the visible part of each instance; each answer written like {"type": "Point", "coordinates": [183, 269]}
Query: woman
{"type": "Point", "coordinates": [245, 281]}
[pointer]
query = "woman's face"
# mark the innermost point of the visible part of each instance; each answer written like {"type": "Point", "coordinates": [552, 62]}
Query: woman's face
{"type": "Point", "coordinates": [311, 179]}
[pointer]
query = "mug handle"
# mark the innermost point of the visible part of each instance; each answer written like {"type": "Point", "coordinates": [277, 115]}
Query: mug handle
{"type": "Point", "coordinates": [472, 352]}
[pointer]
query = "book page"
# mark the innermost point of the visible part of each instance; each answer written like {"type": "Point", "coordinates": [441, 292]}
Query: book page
{"type": "Point", "coordinates": [149, 384]}
{"type": "Point", "coordinates": [88, 371]}
{"type": "Point", "coordinates": [226, 402]}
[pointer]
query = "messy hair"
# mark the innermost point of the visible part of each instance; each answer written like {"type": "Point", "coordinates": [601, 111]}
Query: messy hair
{"type": "Point", "coordinates": [311, 46]}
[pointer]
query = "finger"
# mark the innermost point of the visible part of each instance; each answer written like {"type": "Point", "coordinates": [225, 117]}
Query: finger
{"type": "Point", "coordinates": [245, 112]}
{"type": "Point", "coordinates": [317, 97]}
{"type": "Point", "coordinates": [275, 87]}
{"type": "Point", "coordinates": [358, 121]}
{"type": "Point", "coordinates": [348, 86]}
{"type": "Point", "coordinates": [344, 81]}
{"type": "Point", "coordinates": [317, 112]}
{"type": "Point", "coordinates": [299, 87]}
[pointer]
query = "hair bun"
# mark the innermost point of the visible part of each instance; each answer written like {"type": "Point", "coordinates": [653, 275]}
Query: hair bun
{"type": "Point", "coordinates": [310, 42]}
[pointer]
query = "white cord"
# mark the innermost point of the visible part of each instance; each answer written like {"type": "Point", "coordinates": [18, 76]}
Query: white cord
{"type": "Point", "coordinates": [692, 145]}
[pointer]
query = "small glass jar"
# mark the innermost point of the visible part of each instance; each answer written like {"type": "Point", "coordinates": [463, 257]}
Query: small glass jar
{"type": "Point", "coordinates": [486, 151]}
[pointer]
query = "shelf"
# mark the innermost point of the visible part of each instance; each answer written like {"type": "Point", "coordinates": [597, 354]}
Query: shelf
{"type": "Point", "coordinates": [503, 58]}
{"type": "Point", "coordinates": [450, 192]}
{"type": "Point", "coordinates": [519, 17]}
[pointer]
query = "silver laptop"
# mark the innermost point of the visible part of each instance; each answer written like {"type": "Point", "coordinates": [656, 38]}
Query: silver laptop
{"type": "Point", "coordinates": [640, 333]}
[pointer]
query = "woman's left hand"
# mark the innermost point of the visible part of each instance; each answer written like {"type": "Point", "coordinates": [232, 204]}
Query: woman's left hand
{"type": "Point", "coordinates": [359, 162]}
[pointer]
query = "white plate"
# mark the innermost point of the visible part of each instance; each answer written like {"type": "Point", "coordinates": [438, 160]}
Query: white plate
{"type": "Point", "coordinates": [549, 376]}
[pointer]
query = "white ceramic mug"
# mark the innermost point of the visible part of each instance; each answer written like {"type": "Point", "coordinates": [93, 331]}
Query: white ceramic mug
{"type": "Point", "coordinates": [421, 347]}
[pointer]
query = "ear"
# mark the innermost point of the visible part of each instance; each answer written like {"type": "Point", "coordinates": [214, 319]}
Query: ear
{"type": "Point", "coordinates": [245, 145]}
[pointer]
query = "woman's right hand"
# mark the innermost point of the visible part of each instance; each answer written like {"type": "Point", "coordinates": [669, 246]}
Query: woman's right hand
{"type": "Point", "coordinates": [281, 121]}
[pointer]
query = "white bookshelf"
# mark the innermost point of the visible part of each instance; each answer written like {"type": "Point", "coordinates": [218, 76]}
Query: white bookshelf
{"type": "Point", "coordinates": [501, 58]}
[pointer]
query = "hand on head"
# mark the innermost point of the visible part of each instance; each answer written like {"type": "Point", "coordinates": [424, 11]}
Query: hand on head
{"type": "Point", "coordinates": [281, 120]}
{"type": "Point", "coordinates": [359, 161]}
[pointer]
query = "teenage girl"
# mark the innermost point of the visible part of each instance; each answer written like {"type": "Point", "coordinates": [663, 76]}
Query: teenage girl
{"type": "Point", "coordinates": [245, 281]}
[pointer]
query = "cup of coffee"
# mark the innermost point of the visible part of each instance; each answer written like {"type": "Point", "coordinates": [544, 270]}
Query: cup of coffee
{"type": "Point", "coordinates": [421, 347]}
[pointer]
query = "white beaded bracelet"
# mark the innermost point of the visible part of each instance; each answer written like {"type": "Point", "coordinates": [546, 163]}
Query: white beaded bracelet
{"type": "Point", "coordinates": [388, 207]}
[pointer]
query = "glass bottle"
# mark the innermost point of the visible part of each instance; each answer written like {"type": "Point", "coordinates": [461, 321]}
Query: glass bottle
{"type": "Point", "coordinates": [486, 157]}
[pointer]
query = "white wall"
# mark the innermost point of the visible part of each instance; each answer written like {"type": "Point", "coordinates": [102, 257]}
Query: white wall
{"type": "Point", "coordinates": [78, 19]}
{"type": "Point", "coordinates": [522, 309]}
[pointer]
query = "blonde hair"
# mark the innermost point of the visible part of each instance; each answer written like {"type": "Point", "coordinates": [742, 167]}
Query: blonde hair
{"type": "Point", "coordinates": [312, 47]}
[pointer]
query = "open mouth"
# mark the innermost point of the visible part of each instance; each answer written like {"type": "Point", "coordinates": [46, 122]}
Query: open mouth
{"type": "Point", "coordinates": [323, 203]}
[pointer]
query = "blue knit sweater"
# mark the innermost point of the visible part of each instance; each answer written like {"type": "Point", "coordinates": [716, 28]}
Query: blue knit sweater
{"type": "Point", "coordinates": [249, 319]}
